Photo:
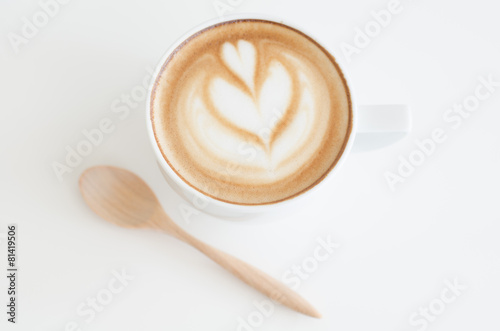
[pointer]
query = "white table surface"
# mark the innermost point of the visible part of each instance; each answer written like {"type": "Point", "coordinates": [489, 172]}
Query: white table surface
{"type": "Point", "coordinates": [397, 249]}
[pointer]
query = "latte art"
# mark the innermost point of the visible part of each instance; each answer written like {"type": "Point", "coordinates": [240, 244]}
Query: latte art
{"type": "Point", "coordinates": [251, 112]}
{"type": "Point", "coordinates": [234, 114]}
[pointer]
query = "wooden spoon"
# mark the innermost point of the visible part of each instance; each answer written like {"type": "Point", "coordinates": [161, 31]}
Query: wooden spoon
{"type": "Point", "coordinates": [121, 197]}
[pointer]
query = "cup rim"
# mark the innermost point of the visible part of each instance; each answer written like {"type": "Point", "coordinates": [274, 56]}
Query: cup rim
{"type": "Point", "coordinates": [250, 208]}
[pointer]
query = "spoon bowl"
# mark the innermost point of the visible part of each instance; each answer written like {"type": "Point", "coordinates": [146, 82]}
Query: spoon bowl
{"type": "Point", "coordinates": [118, 197]}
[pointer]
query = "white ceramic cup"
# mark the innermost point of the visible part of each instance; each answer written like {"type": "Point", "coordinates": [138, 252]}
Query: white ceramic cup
{"type": "Point", "coordinates": [373, 126]}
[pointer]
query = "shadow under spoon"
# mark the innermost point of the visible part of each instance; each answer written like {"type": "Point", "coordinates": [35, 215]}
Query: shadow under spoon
{"type": "Point", "coordinates": [122, 198]}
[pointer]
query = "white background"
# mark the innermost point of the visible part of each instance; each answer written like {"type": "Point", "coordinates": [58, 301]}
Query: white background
{"type": "Point", "coordinates": [397, 248]}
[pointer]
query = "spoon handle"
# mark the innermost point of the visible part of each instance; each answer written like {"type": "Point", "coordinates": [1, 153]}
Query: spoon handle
{"type": "Point", "coordinates": [254, 277]}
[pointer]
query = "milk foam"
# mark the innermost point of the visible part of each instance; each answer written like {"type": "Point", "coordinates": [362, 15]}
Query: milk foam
{"type": "Point", "coordinates": [251, 118]}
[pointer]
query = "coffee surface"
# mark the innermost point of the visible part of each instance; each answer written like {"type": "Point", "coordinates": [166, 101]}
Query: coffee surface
{"type": "Point", "coordinates": [251, 112]}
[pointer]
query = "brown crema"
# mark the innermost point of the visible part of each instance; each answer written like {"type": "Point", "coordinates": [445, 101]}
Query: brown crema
{"type": "Point", "coordinates": [251, 112]}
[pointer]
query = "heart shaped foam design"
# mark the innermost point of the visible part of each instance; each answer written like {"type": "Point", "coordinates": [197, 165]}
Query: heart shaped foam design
{"type": "Point", "coordinates": [257, 112]}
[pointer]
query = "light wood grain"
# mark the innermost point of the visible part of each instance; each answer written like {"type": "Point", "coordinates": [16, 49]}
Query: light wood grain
{"type": "Point", "coordinates": [121, 197]}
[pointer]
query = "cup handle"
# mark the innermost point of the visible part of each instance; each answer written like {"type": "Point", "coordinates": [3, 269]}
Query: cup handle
{"type": "Point", "coordinates": [381, 125]}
